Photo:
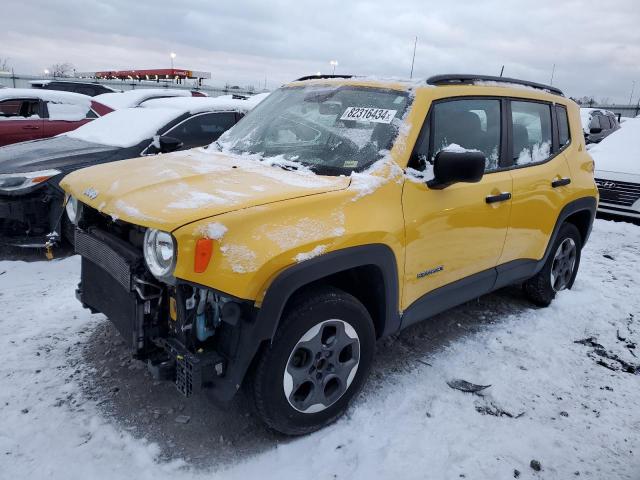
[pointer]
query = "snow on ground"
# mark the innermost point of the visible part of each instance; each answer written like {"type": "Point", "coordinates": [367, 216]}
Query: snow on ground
{"type": "Point", "coordinates": [571, 406]}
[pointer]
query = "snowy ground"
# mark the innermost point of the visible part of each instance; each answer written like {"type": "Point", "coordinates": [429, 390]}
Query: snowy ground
{"type": "Point", "coordinates": [73, 407]}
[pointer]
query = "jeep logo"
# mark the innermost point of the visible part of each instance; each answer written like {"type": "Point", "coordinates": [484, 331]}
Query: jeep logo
{"type": "Point", "coordinates": [90, 192]}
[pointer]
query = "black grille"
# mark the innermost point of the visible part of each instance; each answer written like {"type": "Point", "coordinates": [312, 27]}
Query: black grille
{"type": "Point", "coordinates": [119, 305]}
{"type": "Point", "coordinates": [96, 251]}
{"type": "Point", "coordinates": [618, 193]}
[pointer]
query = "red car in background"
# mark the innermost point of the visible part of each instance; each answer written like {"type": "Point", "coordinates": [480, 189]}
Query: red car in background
{"type": "Point", "coordinates": [29, 114]}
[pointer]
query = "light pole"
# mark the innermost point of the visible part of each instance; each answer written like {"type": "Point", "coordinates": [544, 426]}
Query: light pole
{"type": "Point", "coordinates": [173, 57]}
{"type": "Point", "coordinates": [334, 64]}
{"type": "Point", "coordinates": [633, 87]}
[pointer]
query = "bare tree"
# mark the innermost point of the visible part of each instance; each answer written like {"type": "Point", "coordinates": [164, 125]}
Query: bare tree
{"type": "Point", "coordinates": [4, 64]}
{"type": "Point", "coordinates": [61, 69]}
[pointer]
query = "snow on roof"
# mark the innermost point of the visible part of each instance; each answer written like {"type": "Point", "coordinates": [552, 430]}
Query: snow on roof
{"type": "Point", "coordinates": [125, 127]}
{"type": "Point", "coordinates": [133, 98]}
{"type": "Point", "coordinates": [206, 104]}
{"type": "Point", "coordinates": [620, 151]}
{"type": "Point", "coordinates": [46, 95]}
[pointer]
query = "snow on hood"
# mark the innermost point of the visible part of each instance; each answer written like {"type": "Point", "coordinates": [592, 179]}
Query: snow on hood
{"type": "Point", "coordinates": [126, 127]}
{"type": "Point", "coordinates": [168, 191]}
{"type": "Point", "coordinates": [46, 95]}
{"type": "Point", "coordinates": [205, 104]}
{"type": "Point", "coordinates": [620, 151]}
{"type": "Point", "coordinates": [133, 98]}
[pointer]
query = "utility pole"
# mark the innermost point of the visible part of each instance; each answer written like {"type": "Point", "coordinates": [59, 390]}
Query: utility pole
{"type": "Point", "coordinates": [413, 60]}
{"type": "Point", "coordinates": [633, 87]}
{"type": "Point", "coordinates": [502, 70]}
{"type": "Point", "coordinates": [553, 71]}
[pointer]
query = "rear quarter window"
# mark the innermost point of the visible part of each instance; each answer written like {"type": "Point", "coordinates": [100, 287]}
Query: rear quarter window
{"type": "Point", "coordinates": [564, 135]}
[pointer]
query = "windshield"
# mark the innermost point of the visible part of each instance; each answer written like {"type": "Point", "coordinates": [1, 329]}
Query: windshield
{"type": "Point", "coordinates": [332, 130]}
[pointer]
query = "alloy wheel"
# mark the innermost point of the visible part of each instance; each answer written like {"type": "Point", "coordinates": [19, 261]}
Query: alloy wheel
{"type": "Point", "coordinates": [321, 366]}
{"type": "Point", "coordinates": [564, 261]}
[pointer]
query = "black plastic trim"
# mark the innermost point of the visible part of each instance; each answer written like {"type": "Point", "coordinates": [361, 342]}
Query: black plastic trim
{"type": "Point", "coordinates": [321, 77]}
{"type": "Point", "coordinates": [304, 273]}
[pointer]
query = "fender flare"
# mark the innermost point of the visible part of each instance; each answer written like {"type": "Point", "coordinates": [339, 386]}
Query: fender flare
{"type": "Point", "coordinates": [588, 204]}
{"type": "Point", "coordinates": [304, 273]}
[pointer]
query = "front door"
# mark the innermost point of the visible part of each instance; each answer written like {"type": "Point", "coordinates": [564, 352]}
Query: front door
{"type": "Point", "coordinates": [458, 231]}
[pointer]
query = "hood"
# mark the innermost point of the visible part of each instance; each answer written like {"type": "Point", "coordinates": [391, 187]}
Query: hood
{"type": "Point", "coordinates": [62, 153]}
{"type": "Point", "coordinates": [620, 151]}
{"type": "Point", "coordinates": [169, 191]}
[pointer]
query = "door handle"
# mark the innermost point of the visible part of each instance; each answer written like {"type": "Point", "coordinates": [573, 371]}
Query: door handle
{"type": "Point", "coordinates": [30, 127]}
{"type": "Point", "coordinates": [501, 197]}
{"type": "Point", "coordinates": [560, 182]}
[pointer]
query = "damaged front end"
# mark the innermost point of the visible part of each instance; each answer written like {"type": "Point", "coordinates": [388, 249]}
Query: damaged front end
{"type": "Point", "coordinates": [184, 332]}
{"type": "Point", "coordinates": [27, 218]}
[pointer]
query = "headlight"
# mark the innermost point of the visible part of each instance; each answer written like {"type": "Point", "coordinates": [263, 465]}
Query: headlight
{"type": "Point", "coordinates": [11, 182]}
{"type": "Point", "coordinates": [72, 209]}
{"type": "Point", "coordinates": [159, 252]}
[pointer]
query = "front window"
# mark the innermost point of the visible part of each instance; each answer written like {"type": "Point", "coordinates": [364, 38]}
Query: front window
{"type": "Point", "coordinates": [331, 129]}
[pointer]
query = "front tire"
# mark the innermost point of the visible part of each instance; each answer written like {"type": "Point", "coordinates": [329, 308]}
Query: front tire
{"type": "Point", "coordinates": [560, 269]}
{"type": "Point", "coordinates": [318, 361]}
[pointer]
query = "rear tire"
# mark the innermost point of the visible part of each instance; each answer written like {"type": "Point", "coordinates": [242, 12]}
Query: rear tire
{"type": "Point", "coordinates": [560, 269]}
{"type": "Point", "coordinates": [317, 362]}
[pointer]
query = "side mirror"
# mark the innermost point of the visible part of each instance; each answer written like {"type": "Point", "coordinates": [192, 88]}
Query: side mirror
{"type": "Point", "coordinates": [169, 144]}
{"type": "Point", "coordinates": [595, 130]}
{"type": "Point", "coordinates": [454, 167]}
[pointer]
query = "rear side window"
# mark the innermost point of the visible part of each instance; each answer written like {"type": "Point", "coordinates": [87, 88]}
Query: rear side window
{"type": "Point", "coordinates": [564, 137]}
{"type": "Point", "coordinates": [470, 123]}
{"type": "Point", "coordinates": [67, 112]}
{"type": "Point", "coordinates": [531, 127]}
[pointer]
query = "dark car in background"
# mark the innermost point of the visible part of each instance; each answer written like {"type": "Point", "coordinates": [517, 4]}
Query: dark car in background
{"type": "Point", "coordinates": [31, 201]}
{"type": "Point", "coordinates": [29, 114]}
{"type": "Point", "coordinates": [598, 124]}
{"type": "Point", "coordinates": [85, 88]}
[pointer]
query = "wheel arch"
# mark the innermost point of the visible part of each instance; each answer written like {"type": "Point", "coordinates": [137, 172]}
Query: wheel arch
{"type": "Point", "coordinates": [368, 272]}
{"type": "Point", "coordinates": [581, 213]}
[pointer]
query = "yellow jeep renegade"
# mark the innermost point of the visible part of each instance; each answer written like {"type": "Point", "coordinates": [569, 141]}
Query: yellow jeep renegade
{"type": "Point", "coordinates": [339, 211]}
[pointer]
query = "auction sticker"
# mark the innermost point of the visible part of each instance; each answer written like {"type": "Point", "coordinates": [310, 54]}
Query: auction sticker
{"type": "Point", "coordinates": [367, 114]}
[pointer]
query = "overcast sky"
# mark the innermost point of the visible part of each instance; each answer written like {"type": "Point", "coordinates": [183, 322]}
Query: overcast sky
{"type": "Point", "coordinates": [594, 44]}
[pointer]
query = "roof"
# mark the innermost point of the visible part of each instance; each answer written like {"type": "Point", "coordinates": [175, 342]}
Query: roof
{"type": "Point", "coordinates": [46, 95]}
{"type": "Point", "coordinates": [194, 105]}
{"type": "Point", "coordinates": [125, 127]}
{"type": "Point", "coordinates": [434, 81]}
{"type": "Point", "coordinates": [72, 82]}
{"type": "Point", "coordinates": [133, 98]}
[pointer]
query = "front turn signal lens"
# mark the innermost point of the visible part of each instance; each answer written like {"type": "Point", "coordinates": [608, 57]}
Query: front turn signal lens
{"type": "Point", "coordinates": [204, 249]}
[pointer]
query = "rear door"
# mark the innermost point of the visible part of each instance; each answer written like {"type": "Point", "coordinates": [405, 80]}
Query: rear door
{"type": "Point", "coordinates": [540, 175]}
{"type": "Point", "coordinates": [20, 120]}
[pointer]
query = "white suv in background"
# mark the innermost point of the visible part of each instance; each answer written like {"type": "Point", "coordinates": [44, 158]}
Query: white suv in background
{"type": "Point", "coordinates": [617, 160]}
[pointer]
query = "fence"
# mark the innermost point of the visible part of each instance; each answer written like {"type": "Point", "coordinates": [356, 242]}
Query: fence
{"type": "Point", "coordinates": [9, 79]}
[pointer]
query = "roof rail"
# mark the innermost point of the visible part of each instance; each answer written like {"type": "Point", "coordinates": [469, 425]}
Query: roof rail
{"type": "Point", "coordinates": [320, 77]}
{"type": "Point", "coordinates": [465, 78]}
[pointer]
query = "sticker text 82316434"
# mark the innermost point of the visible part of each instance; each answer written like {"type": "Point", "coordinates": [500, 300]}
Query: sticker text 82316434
{"type": "Point", "coordinates": [368, 114]}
